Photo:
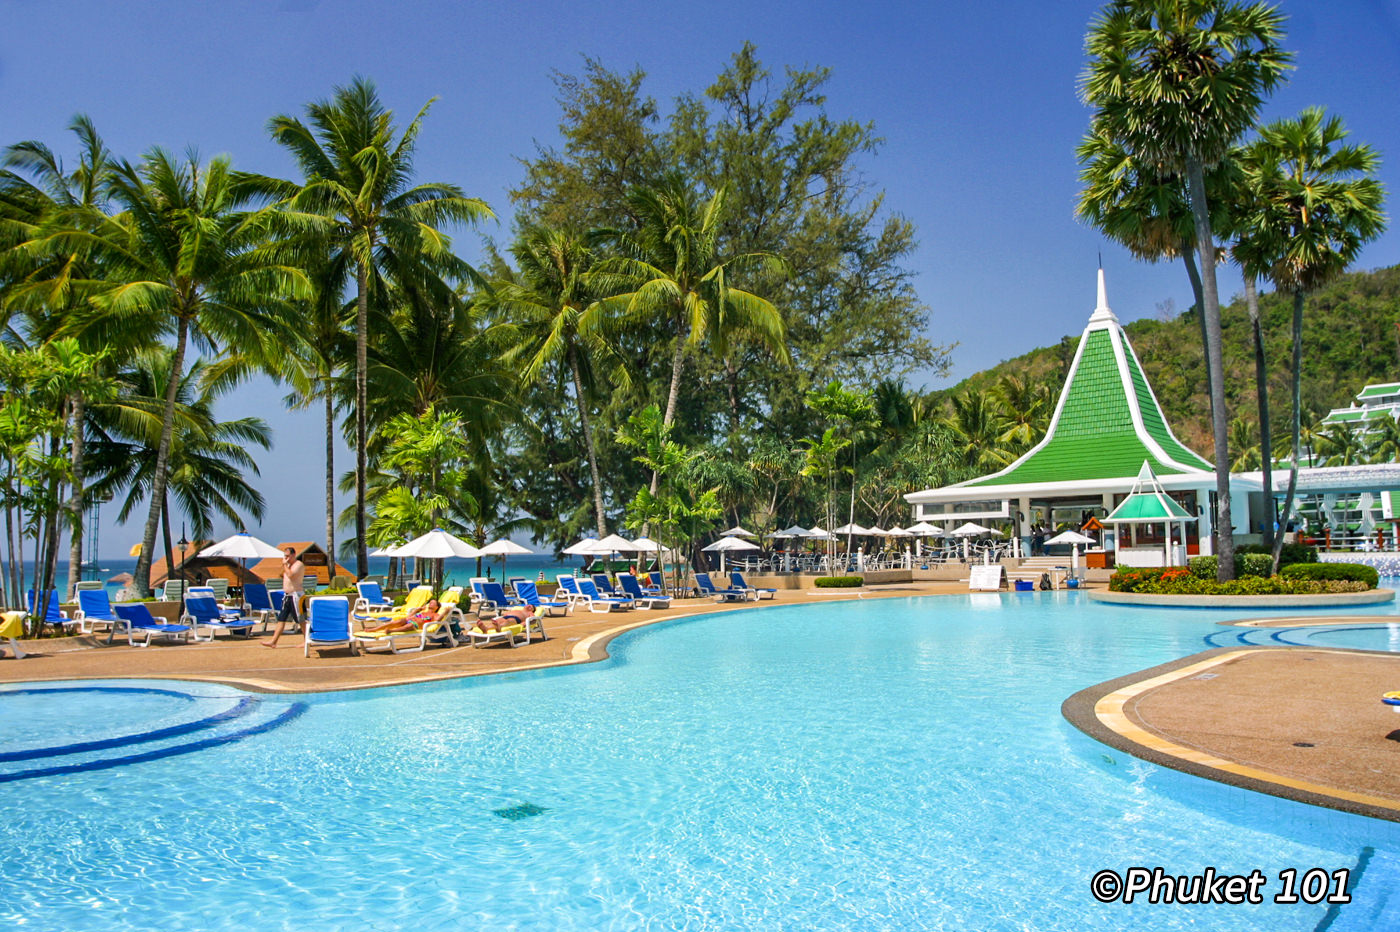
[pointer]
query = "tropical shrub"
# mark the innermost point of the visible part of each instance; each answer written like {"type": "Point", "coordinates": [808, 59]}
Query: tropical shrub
{"type": "Point", "coordinates": [1179, 581]}
{"type": "Point", "coordinates": [838, 582]}
{"type": "Point", "coordinates": [1357, 572]}
{"type": "Point", "coordinates": [1246, 564]}
{"type": "Point", "coordinates": [1291, 553]}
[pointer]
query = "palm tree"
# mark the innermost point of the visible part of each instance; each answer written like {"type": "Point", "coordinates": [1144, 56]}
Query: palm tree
{"type": "Point", "coordinates": [183, 254]}
{"type": "Point", "coordinates": [52, 194]}
{"type": "Point", "coordinates": [975, 422]}
{"type": "Point", "coordinates": [546, 303]}
{"type": "Point", "coordinates": [1341, 444]}
{"type": "Point", "coordinates": [1026, 409]}
{"type": "Point", "coordinates": [378, 225]}
{"type": "Point", "coordinates": [1316, 205]}
{"type": "Point", "coordinates": [1176, 82]}
{"type": "Point", "coordinates": [1383, 441]}
{"type": "Point", "coordinates": [206, 459]}
{"type": "Point", "coordinates": [671, 277]}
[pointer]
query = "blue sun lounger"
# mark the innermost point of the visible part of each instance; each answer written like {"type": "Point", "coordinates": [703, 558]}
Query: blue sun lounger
{"type": "Point", "coordinates": [707, 588]}
{"type": "Point", "coordinates": [633, 590]}
{"type": "Point", "coordinates": [94, 608]}
{"type": "Point", "coordinates": [736, 581]}
{"type": "Point", "coordinates": [201, 611]}
{"type": "Point", "coordinates": [137, 618]}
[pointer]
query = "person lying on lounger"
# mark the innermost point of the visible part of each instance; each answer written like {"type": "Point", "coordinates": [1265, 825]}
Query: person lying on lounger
{"type": "Point", "coordinates": [433, 611]}
{"type": "Point", "coordinates": [515, 615]}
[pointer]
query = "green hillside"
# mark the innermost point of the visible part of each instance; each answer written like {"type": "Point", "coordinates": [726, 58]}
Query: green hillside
{"type": "Point", "coordinates": [1351, 336]}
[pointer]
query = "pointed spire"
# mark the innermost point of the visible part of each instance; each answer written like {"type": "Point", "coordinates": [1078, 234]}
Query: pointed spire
{"type": "Point", "coordinates": [1102, 312]}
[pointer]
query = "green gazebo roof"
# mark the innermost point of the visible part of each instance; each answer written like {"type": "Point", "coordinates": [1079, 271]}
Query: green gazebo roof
{"type": "Point", "coordinates": [1148, 503]}
{"type": "Point", "coordinates": [1108, 421]}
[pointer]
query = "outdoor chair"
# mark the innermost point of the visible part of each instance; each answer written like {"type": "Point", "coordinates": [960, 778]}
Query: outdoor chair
{"type": "Point", "coordinates": [328, 624]}
{"type": "Point", "coordinates": [137, 618]}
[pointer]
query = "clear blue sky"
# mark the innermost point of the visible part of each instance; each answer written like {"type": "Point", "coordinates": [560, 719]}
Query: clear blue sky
{"type": "Point", "coordinates": [976, 103]}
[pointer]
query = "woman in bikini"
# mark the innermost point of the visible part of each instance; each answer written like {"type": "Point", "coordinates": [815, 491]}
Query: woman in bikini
{"type": "Point", "coordinates": [431, 612]}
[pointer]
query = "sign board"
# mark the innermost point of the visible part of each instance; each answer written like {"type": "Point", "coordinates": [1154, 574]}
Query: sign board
{"type": "Point", "coordinates": [986, 578]}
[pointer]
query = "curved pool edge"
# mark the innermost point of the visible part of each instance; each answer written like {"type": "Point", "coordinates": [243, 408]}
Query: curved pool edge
{"type": "Point", "coordinates": [1310, 600]}
{"type": "Point", "coordinates": [1102, 712]}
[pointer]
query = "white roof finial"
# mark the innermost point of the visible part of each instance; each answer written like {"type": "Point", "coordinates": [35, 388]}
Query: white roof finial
{"type": "Point", "coordinates": [1102, 311]}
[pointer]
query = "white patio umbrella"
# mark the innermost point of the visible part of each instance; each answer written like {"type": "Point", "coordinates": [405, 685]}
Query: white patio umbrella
{"type": "Point", "coordinates": [737, 531]}
{"type": "Point", "coordinates": [1075, 538]}
{"type": "Point", "coordinates": [877, 531]}
{"type": "Point", "coordinates": [924, 529]}
{"type": "Point", "coordinates": [967, 532]}
{"type": "Point", "coordinates": [816, 533]}
{"type": "Point", "coordinates": [437, 544]}
{"type": "Point", "coordinates": [851, 528]}
{"type": "Point", "coordinates": [796, 530]}
{"type": "Point", "coordinates": [898, 531]}
{"type": "Point", "coordinates": [647, 545]}
{"type": "Point", "coordinates": [241, 546]}
{"type": "Point", "coordinates": [615, 543]}
{"type": "Point", "coordinates": [503, 548]}
{"type": "Point", "coordinates": [727, 545]}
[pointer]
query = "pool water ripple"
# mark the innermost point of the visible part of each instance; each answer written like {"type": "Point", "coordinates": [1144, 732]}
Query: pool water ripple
{"type": "Point", "coordinates": [885, 765]}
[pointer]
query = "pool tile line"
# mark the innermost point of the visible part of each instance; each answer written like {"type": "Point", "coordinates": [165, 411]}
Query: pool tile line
{"type": "Point", "coordinates": [1101, 712]}
{"type": "Point", "coordinates": [240, 709]}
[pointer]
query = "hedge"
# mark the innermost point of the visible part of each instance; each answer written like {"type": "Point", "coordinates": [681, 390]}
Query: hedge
{"type": "Point", "coordinates": [1291, 553]}
{"type": "Point", "coordinates": [1356, 572]}
{"type": "Point", "coordinates": [838, 582]}
{"type": "Point", "coordinates": [1246, 564]}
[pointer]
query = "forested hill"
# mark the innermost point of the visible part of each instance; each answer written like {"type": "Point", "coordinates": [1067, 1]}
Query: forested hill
{"type": "Point", "coordinates": [1351, 336]}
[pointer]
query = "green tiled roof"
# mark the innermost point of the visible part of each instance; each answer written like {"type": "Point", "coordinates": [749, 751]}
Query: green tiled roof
{"type": "Point", "coordinates": [1094, 436]}
{"type": "Point", "coordinates": [1148, 506]}
{"type": "Point", "coordinates": [1340, 415]}
{"type": "Point", "coordinates": [1376, 391]}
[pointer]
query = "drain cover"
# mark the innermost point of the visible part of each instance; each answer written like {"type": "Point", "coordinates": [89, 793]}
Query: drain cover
{"type": "Point", "coordinates": [1304, 744]}
{"type": "Point", "coordinates": [522, 811]}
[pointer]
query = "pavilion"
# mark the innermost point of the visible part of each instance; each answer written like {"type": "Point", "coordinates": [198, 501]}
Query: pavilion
{"type": "Point", "coordinates": [1106, 426]}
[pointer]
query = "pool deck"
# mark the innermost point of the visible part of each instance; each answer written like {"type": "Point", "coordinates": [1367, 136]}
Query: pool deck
{"type": "Point", "coordinates": [1301, 723]}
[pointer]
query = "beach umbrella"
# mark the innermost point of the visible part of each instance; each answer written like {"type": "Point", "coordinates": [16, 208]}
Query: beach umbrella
{"type": "Point", "coordinates": [924, 529]}
{"type": "Point", "coordinates": [241, 546]}
{"type": "Point", "coordinates": [898, 531]}
{"type": "Point", "coordinates": [738, 531]}
{"type": "Point", "coordinates": [971, 530]}
{"type": "Point", "coordinates": [877, 531]}
{"type": "Point", "coordinates": [1075, 538]}
{"type": "Point", "coordinates": [437, 544]}
{"type": "Point", "coordinates": [796, 530]}
{"type": "Point", "coordinates": [817, 533]}
{"type": "Point", "coordinates": [503, 548]}
{"type": "Point", "coordinates": [647, 545]}
{"type": "Point", "coordinates": [616, 543]}
{"type": "Point", "coordinates": [852, 528]}
{"type": "Point", "coordinates": [586, 547]}
{"type": "Point", "coordinates": [728, 545]}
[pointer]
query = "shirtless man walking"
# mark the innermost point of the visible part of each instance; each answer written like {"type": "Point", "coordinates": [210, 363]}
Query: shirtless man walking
{"type": "Point", "coordinates": [292, 572]}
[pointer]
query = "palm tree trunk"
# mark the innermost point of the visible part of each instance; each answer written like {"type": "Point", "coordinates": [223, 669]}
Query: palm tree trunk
{"type": "Point", "coordinates": [588, 442]}
{"type": "Point", "coordinates": [1296, 414]}
{"type": "Point", "coordinates": [1188, 258]}
{"type": "Point", "coordinates": [677, 364]}
{"type": "Point", "coordinates": [1220, 422]}
{"type": "Point", "coordinates": [1261, 392]}
{"type": "Point", "coordinates": [142, 582]}
{"type": "Point", "coordinates": [75, 503]}
{"type": "Point", "coordinates": [361, 422]}
{"type": "Point", "coordinates": [731, 385]}
{"type": "Point", "coordinates": [330, 474]}
{"type": "Point", "coordinates": [165, 531]}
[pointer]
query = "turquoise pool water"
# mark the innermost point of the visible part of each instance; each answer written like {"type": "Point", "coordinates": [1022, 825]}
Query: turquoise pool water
{"type": "Point", "coordinates": [893, 764]}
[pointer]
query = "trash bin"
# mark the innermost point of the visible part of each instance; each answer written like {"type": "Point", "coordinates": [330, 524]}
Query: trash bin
{"type": "Point", "coordinates": [1071, 583]}
{"type": "Point", "coordinates": [1025, 585]}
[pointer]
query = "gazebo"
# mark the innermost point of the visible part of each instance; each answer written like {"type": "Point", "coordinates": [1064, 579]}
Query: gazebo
{"type": "Point", "coordinates": [1148, 504]}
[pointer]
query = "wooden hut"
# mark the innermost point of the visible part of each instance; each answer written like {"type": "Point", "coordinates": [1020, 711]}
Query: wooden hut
{"type": "Point", "coordinates": [318, 563]}
{"type": "Point", "coordinates": [197, 570]}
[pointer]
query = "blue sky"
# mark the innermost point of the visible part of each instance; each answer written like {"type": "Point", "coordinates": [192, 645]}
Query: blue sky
{"type": "Point", "coordinates": [977, 105]}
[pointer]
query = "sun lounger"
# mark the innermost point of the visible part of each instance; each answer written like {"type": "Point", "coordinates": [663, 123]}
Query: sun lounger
{"type": "Point", "coordinates": [137, 618]}
{"type": "Point", "coordinates": [257, 603]}
{"type": "Point", "coordinates": [597, 602]}
{"type": "Point", "coordinates": [633, 590]}
{"type": "Point", "coordinates": [494, 599]}
{"type": "Point", "coordinates": [435, 631]}
{"type": "Point", "coordinates": [372, 598]}
{"type": "Point", "coordinates": [736, 580]}
{"type": "Point", "coordinates": [417, 598]}
{"type": "Point", "coordinates": [201, 611]}
{"type": "Point", "coordinates": [530, 594]}
{"type": "Point", "coordinates": [707, 588]}
{"type": "Point", "coordinates": [478, 636]}
{"type": "Point", "coordinates": [53, 616]}
{"type": "Point", "coordinates": [94, 608]}
{"type": "Point", "coordinates": [328, 624]}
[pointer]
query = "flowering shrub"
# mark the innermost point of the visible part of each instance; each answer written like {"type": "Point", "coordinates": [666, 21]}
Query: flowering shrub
{"type": "Point", "coordinates": [1180, 581]}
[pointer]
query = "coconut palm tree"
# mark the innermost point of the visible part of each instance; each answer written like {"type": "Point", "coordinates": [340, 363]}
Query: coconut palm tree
{"type": "Point", "coordinates": [670, 276]}
{"type": "Point", "coordinates": [546, 302]}
{"type": "Point", "coordinates": [378, 226]}
{"type": "Point", "coordinates": [1315, 205]}
{"type": "Point", "coordinates": [184, 254]}
{"type": "Point", "coordinates": [1176, 83]}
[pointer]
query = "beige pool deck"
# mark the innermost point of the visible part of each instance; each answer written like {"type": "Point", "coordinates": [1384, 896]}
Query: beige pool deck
{"type": "Point", "coordinates": [1301, 723]}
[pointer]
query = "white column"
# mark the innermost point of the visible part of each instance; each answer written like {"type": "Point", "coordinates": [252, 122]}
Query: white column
{"type": "Point", "coordinates": [1205, 526]}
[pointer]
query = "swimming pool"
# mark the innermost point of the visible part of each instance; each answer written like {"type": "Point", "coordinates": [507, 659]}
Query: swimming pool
{"type": "Point", "coordinates": [889, 764]}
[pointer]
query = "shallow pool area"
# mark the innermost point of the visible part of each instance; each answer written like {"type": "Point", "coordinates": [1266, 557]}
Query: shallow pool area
{"type": "Point", "coordinates": [883, 764]}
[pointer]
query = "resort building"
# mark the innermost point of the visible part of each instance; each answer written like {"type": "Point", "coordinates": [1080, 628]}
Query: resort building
{"type": "Point", "coordinates": [1107, 425]}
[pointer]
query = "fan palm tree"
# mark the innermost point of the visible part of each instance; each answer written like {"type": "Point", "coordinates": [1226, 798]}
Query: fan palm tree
{"type": "Point", "coordinates": [1315, 205]}
{"type": "Point", "coordinates": [546, 302]}
{"type": "Point", "coordinates": [1176, 82]}
{"type": "Point", "coordinates": [377, 224]}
